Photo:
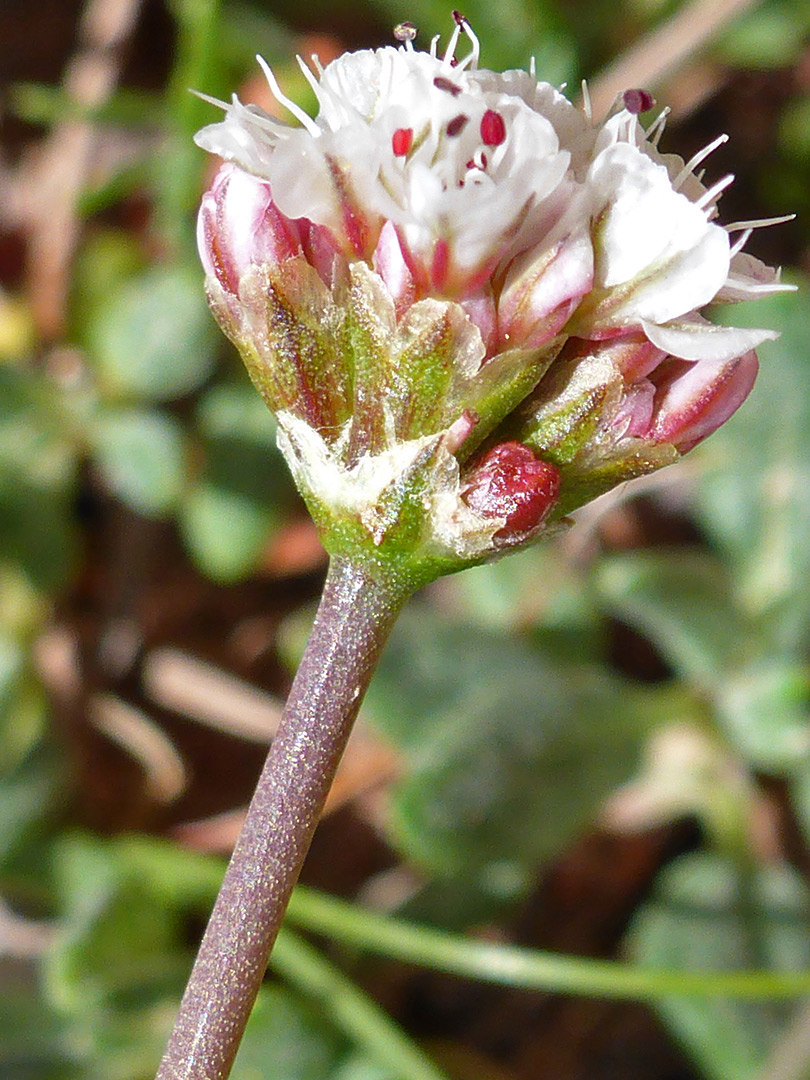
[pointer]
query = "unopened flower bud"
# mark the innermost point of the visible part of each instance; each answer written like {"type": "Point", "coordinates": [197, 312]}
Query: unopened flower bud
{"type": "Point", "coordinates": [511, 483]}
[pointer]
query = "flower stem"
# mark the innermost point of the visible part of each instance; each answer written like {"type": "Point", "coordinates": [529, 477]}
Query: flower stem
{"type": "Point", "coordinates": [355, 617]}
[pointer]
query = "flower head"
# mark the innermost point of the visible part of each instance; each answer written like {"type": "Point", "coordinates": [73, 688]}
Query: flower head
{"type": "Point", "coordinates": [472, 308]}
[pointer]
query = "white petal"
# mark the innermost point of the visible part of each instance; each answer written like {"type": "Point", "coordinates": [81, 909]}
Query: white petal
{"type": "Point", "coordinates": [642, 221]}
{"type": "Point", "coordinates": [247, 136]}
{"type": "Point", "coordinates": [705, 341]}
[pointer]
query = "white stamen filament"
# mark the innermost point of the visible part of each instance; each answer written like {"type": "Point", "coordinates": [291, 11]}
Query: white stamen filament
{"type": "Point", "coordinates": [450, 51]}
{"type": "Point", "coordinates": [656, 128]}
{"type": "Point", "coordinates": [299, 114]}
{"type": "Point", "coordinates": [472, 59]}
{"type": "Point", "coordinates": [212, 100]}
{"type": "Point", "coordinates": [759, 223]}
{"type": "Point", "coordinates": [711, 196]}
{"type": "Point", "coordinates": [587, 108]}
{"type": "Point", "coordinates": [307, 73]}
{"type": "Point", "coordinates": [740, 243]}
{"type": "Point", "coordinates": [693, 162]}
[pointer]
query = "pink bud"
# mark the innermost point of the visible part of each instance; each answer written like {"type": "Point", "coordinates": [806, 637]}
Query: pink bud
{"type": "Point", "coordinates": [510, 482]}
{"type": "Point", "coordinates": [239, 226]}
{"type": "Point", "coordinates": [692, 400]}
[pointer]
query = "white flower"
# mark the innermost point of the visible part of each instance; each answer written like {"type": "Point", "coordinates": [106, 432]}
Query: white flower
{"type": "Point", "coordinates": [472, 308]}
{"type": "Point", "coordinates": [461, 161]}
{"type": "Point", "coordinates": [659, 254]}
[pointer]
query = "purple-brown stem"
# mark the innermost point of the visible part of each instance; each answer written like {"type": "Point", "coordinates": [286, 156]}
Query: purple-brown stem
{"type": "Point", "coordinates": [355, 617]}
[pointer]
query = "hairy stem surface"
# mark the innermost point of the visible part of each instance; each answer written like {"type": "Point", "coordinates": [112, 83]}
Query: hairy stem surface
{"type": "Point", "coordinates": [354, 619]}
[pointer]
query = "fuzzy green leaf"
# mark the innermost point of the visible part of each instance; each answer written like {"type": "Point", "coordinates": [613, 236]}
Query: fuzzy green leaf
{"type": "Point", "coordinates": [704, 917]}
{"type": "Point", "coordinates": [141, 455]}
{"type": "Point", "coordinates": [508, 750]}
{"type": "Point", "coordinates": [153, 337]}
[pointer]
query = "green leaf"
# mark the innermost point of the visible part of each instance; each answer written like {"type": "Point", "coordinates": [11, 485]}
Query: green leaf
{"type": "Point", "coordinates": [357, 1067]}
{"type": "Point", "coordinates": [704, 917]}
{"type": "Point", "coordinates": [508, 750]}
{"type": "Point", "coordinates": [764, 708]}
{"type": "Point", "coordinates": [234, 411]}
{"type": "Point", "coordinates": [800, 796]}
{"type": "Point", "coordinates": [752, 494]}
{"type": "Point", "coordinates": [229, 516]}
{"type": "Point", "coordinates": [141, 455]}
{"type": "Point", "coordinates": [34, 1043]}
{"type": "Point", "coordinates": [682, 601]}
{"type": "Point", "coordinates": [770, 36]}
{"type": "Point", "coordinates": [288, 1040]}
{"type": "Point", "coordinates": [37, 480]}
{"type": "Point", "coordinates": [532, 589]}
{"type": "Point", "coordinates": [118, 961]}
{"type": "Point", "coordinates": [154, 338]}
{"type": "Point", "coordinates": [225, 531]}
{"type": "Point", "coordinates": [26, 795]}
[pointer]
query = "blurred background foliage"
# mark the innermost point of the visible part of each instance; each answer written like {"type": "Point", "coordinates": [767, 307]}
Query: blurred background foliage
{"type": "Point", "coordinates": [600, 746]}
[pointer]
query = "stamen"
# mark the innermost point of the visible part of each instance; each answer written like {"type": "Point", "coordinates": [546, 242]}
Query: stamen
{"type": "Point", "coordinates": [714, 192]}
{"type": "Point", "coordinates": [493, 128]}
{"type": "Point", "coordinates": [213, 101]}
{"type": "Point", "coordinates": [758, 223]}
{"type": "Point", "coordinates": [457, 125]}
{"type": "Point", "coordinates": [656, 129]}
{"type": "Point", "coordinates": [477, 163]}
{"type": "Point", "coordinates": [401, 141]}
{"type": "Point", "coordinates": [532, 67]}
{"type": "Point", "coordinates": [472, 59]}
{"type": "Point", "coordinates": [282, 99]}
{"type": "Point", "coordinates": [693, 162]}
{"type": "Point", "coordinates": [587, 108]}
{"type": "Point", "coordinates": [444, 84]}
{"type": "Point", "coordinates": [313, 82]}
{"type": "Point", "coordinates": [434, 46]}
{"type": "Point", "coordinates": [405, 32]}
{"type": "Point", "coordinates": [638, 101]}
{"type": "Point", "coordinates": [316, 63]}
{"type": "Point", "coordinates": [450, 51]}
{"type": "Point", "coordinates": [740, 243]}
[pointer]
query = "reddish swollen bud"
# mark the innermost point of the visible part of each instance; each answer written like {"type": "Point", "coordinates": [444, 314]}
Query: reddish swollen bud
{"type": "Point", "coordinates": [510, 482]}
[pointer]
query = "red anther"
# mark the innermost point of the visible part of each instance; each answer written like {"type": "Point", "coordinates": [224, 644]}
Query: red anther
{"type": "Point", "coordinates": [459, 19]}
{"type": "Point", "coordinates": [457, 125]}
{"type": "Point", "coordinates": [493, 128]}
{"type": "Point", "coordinates": [511, 483]}
{"type": "Point", "coordinates": [444, 84]}
{"type": "Point", "coordinates": [401, 141]}
{"type": "Point", "coordinates": [638, 101]}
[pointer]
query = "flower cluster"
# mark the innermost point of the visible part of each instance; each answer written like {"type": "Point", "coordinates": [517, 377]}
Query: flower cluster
{"type": "Point", "coordinates": [471, 307]}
